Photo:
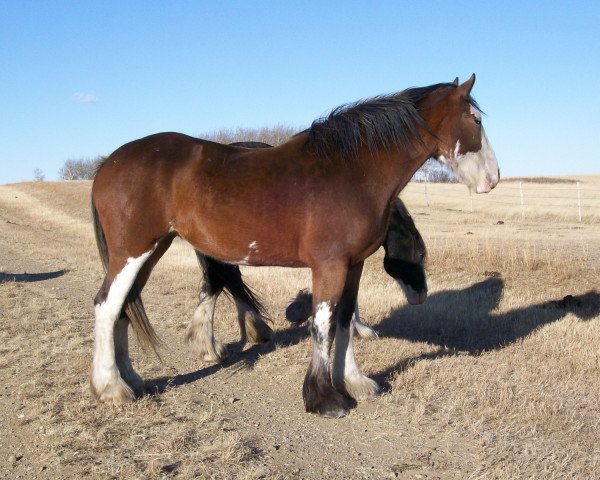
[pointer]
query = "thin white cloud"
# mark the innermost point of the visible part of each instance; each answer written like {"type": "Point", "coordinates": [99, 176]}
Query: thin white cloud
{"type": "Point", "coordinates": [85, 98]}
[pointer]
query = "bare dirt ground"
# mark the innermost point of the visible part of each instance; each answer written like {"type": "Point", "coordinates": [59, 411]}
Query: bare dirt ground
{"type": "Point", "coordinates": [496, 376]}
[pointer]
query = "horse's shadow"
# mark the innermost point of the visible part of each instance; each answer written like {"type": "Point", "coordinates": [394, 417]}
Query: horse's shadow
{"type": "Point", "coordinates": [455, 320]}
{"type": "Point", "coordinates": [30, 277]}
{"type": "Point", "coordinates": [464, 321]}
{"type": "Point", "coordinates": [238, 357]}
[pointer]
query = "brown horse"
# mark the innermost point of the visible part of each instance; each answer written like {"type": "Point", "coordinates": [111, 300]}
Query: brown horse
{"type": "Point", "coordinates": [404, 260]}
{"type": "Point", "coordinates": [322, 200]}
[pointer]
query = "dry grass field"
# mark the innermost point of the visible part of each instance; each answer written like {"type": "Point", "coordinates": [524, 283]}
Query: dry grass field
{"type": "Point", "coordinates": [497, 375]}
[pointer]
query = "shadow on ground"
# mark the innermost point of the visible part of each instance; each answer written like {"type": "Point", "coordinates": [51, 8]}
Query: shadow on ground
{"type": "Point", "coordinates": [30, 277]}
{"type": "Point", "coordinates": [464, 321]}
{"type": "Point", "coordinates": [455, 320]}
{"type": "Point", "coordinates": [238, 358]}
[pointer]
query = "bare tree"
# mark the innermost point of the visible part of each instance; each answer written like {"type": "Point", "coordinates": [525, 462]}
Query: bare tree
{"type": "Point", "coordinates": [80, 169]}
{"type": "Point", "coordinates": [38, 175]}
{"type": "Point", "coordinates": [271, 135]}
{"type": "Point", "coordinates": [434, 171]}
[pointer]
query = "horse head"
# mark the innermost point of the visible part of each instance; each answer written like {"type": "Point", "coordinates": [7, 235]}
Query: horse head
{"type": "Point", "coordinates": [463, 144]}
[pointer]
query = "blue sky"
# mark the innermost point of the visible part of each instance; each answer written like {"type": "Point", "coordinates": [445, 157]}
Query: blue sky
{"type": "Point", "coordinates": [79, 79]}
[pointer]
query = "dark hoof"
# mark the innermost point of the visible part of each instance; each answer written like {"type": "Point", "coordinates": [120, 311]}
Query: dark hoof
{"type": "Point", "coordinates": [324, 400]}
{"type": "Point", "coordinates": [334, 406]}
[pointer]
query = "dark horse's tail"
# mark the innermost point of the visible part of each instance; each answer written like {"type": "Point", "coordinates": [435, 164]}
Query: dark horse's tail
{"type": "Point", "coordinates": [219, 276]}
{"type": "Point", "coordinates": [133, 306]}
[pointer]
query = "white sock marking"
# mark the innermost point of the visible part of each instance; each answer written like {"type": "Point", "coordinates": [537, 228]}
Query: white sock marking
{"type": "Point", "coordinates": [107, 312]}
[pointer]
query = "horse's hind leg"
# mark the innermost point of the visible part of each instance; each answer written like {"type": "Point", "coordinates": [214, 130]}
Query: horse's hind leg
{"type": "Point", "coordinates": [251, 322]}
{"type": "Point", "coordinates": [122, 356]}
{"type": "Point", "coordinates": [106, 381]}
{"type": "Point", "coordinates": [200, 333]}
{"type": "Point", "coordinates": [216, 277]}
{"type": "Point", "coordinates": [121, 336]}
{"type": "Point", "coordinates": [253, 327]}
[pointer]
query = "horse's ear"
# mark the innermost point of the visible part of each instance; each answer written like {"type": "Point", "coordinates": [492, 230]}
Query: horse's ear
{"type": "Point", "coordinates": [455, 82]}
{"type": "Point", "coordinates": [465, 88]}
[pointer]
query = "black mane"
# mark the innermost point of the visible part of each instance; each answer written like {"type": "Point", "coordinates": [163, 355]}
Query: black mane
{"type": "Point", "coordinates": [381, 122]}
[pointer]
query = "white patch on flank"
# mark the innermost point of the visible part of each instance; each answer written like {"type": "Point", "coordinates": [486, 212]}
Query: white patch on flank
{"type": "Point", "coordinates": [104, 366]}
{"type": "Point", "coordinates": [253, 248]}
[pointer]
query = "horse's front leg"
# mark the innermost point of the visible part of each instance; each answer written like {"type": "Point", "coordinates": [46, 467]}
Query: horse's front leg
{"type": "Point", "coordinates": [347, 375]}
{"type": "Point", "coordinates": [319, 394]}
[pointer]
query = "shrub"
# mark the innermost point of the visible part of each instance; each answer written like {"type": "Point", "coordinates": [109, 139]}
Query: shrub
{"type": "Point", "coordinates": [80, 169]}
{"type": "Point", "coordinates": [272, 135]}
{"type": "Point", "coordinates": [434, 171]}
{"type": "Point", "coordinates": [38, 175]}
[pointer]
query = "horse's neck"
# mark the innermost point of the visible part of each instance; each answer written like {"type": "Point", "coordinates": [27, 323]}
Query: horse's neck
{"type": "Point", "coordinates": [398, 165]}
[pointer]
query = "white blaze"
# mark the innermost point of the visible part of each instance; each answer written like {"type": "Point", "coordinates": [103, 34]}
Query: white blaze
{"type": "Point", "coordinates": [478, 170]}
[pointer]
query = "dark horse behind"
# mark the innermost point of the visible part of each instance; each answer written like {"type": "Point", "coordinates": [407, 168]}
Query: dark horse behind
{"type": "Point", "coordinates": [322, 200]}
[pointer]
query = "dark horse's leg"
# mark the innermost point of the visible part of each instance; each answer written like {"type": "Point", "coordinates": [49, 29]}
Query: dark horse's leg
{"type": "Point", "coordinates": [217, 277]}
{"type": "Point", "coordinates": [334, 293]}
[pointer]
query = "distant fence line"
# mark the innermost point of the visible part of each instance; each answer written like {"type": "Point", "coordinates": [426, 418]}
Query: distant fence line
{"type": "Point", "coordinates": [576, 200]}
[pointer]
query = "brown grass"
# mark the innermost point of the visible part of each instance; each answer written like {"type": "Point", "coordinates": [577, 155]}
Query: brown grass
{"type": "Point", "coordinates": [495, 376]}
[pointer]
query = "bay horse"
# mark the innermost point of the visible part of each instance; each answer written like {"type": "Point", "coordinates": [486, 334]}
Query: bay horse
{"type": "Point", "coordinates": [404, 259]}
{"type": "Point", "coordinates": [321, 200]}
{"type": "Point", "coordinates": [405, 254]}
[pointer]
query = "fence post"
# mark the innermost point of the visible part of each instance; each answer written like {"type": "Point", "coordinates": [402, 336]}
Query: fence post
{"type": "Point", "coordinates": [426, 196]}
{"type": "Point", "coordinates": [471, 200]}
{"type": "Point", "coordinates": [579, 200]}
{"type": "Point", "coordinates": [522, 201]}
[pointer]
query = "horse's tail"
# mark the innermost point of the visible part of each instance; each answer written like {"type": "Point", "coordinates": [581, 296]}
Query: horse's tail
{"type": "Point", "coordinates": [243, 293]}
{"type": "Point", "coordinates": [133, 306]}
{"type": "Point", "coordinates": [229, 278]}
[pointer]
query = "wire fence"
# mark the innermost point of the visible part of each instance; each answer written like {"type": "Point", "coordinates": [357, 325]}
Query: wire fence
{"type": "Point", "coordinates": [575, 201]}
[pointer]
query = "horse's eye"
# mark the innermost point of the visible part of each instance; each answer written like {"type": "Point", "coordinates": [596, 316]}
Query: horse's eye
{"type": "Point", "coordinates": [477, 120]}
